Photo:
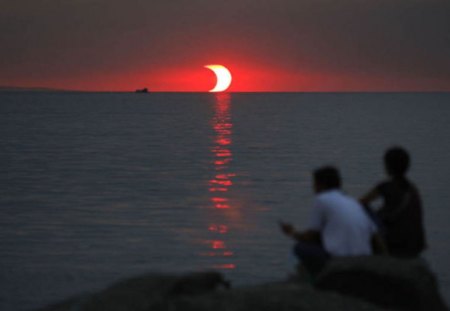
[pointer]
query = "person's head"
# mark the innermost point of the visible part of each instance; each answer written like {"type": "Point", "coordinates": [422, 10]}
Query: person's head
{"type": "Point", "coordinates": [396, 161]}
{"type": "Point", "coordinates": [326, 178]}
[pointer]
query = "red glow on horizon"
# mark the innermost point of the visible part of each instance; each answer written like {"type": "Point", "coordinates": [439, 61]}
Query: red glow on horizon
{"type": "Point", "coordinates": [248, 76]}
{"type": "Point", "coordinates": [196, 78]}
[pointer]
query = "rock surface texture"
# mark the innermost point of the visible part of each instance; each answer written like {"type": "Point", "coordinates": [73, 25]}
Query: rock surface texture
{"type": "Point", "coordinates": [384, 281]}
{"type": "Point", "coordinates": [346, 284]}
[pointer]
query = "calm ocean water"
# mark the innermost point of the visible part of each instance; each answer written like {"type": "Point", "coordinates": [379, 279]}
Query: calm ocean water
{"type": "Point", "coordinates": [98, 187]}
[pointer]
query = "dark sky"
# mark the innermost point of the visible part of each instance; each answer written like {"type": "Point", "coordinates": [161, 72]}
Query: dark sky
{"type": "Point", "coordinates": [269, 45]}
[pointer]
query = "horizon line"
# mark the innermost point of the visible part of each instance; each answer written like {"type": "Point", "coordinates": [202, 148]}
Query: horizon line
{"type": "Point", "coordinates": [19, 89]}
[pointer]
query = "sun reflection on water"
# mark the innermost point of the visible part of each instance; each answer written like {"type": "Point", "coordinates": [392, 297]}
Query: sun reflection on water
{"type": "Point", "coordinates": [221, 183]}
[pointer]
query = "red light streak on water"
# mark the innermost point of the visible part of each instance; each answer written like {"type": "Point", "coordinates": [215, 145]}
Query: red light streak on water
{"type": "Point", "coordinates": [222, 206]}
{"type": "Point", "coordinates": [223, 141]}
{"type": "Point", "coordinates": [228, 266]}
{"type": "Point", "coordinates": [218, 189]}
{"type": "Point", "coordinates": [216, 199]}
{"type": "Point", "coordinates": [218, 244]}
{"type": "Point", "coordinates": [220, 164]}
{"type": "Point", "coordinates": [217, 254]}
{"type": "Point", "coordinates": [221, 183]}
{"type": "Point", "coordinates": [218, 228]}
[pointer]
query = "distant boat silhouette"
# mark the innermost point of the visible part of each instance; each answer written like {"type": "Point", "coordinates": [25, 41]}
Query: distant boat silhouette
{"type": "Point", "coordinates": [144, 90]}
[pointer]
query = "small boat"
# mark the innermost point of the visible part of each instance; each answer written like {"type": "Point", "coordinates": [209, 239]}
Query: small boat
{"type": "Point", "coordinates": [144, 90]}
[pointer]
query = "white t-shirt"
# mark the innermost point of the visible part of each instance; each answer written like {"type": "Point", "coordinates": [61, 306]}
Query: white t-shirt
{"type": "Point", "coordinates": [345, 227]}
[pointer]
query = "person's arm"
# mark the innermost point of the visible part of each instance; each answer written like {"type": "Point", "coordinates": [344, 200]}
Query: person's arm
{"type": "Point", "coordinates": [369, 196]}
{"type": "Point", "coordinates": [307, 235]}
{"type": "Point", "coordinates": [315, 224]}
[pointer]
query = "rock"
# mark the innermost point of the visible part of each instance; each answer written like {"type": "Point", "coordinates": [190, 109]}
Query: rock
{"type": "Point", "coordinates": [358, 283]}
{"type": "Point", "coordinates": [148, 292]}
{"type": "Point", "coordinates": [384, 281]}
{"type": "Point", "coordinates": [156, 293]}
{"type": "Point", "coordinates": [199, 283]}
{"type": "Point", "coordinates": [271, 297]}
{"type": "Point", "coordinates": [140, 293]}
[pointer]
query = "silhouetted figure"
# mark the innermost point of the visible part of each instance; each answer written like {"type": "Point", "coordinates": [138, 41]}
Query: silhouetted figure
{"type": "Point", "coordinates": [144, 90]}
{"type": "Point", "coordinates": [338, 225]}
{"type": "Point", "coordinates": [401, 213]}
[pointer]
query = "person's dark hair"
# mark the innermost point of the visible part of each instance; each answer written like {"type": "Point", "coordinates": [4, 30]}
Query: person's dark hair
{"type": "Point", "coordinates": [327, 177]}
{"type": "Point", "coordinates": [396, 161]}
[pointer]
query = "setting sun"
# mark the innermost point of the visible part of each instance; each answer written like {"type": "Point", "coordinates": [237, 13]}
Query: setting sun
{"type": "Point", "coordinates": [223, 76]}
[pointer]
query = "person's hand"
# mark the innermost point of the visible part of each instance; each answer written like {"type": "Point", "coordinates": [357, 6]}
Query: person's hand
{"type": "Point", "coordinates": [287, 229]}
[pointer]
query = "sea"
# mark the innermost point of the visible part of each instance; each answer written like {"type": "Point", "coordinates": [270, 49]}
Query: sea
{"type": "Point", "coordinates": [98, 187]}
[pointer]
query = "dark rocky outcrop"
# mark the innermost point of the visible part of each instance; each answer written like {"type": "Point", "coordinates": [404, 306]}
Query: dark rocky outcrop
{"type": "Point", "coordinates": [203, 292]}
{"type": "Point", "coordinates": [271, 297]}
{"type": "Point", "coordinates": [147, 292]}
{"type": "Point", "coordinates": [345, 284]}
{"type": "Point", "coordinates": [385, 281]}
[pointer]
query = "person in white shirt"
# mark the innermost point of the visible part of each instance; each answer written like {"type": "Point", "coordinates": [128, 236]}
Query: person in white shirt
{"type": "Point", "coordinates": [339, 225]}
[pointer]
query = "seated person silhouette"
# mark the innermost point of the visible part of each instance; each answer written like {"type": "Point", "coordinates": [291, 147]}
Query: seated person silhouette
{"type": "Point", "coordinates": [338, 225]}
{"type": "Point", "coordinates": [400, 216]}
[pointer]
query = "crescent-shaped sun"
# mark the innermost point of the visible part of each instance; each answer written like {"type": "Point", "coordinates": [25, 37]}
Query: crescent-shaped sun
{"type": "Point", "coordinates": [223, 76]}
